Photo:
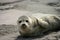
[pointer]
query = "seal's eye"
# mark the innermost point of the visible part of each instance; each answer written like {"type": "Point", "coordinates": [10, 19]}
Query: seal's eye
{"type": "Point", "coordinates": [20, 21]}
{"type": "Point", "coordinates": [26, 20]}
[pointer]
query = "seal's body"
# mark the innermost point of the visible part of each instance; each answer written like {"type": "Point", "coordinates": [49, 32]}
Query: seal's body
{"type": "Point", "coordinates": [35, 24]}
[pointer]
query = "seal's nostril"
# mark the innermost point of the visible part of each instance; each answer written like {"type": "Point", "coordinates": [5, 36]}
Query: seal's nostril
{"type": "Point", "coordinates": [23, 26]}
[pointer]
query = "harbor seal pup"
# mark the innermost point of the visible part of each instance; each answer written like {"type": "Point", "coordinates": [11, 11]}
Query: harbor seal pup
{"type": "Point", "coordinates": [34, 25]}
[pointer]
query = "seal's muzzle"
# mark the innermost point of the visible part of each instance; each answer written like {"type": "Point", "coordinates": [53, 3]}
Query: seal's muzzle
{"type": "Point", "coordinates": [23, 26]}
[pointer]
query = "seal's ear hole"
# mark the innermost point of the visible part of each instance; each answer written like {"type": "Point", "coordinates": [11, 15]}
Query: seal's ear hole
{"type": "Point", "coordinates": [19, 21]}
{"type": "Point", "coordinates": [27, 21]}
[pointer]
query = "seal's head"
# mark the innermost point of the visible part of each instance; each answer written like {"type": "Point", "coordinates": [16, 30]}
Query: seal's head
{"type": "Point", "coordinates": [27, 25]}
